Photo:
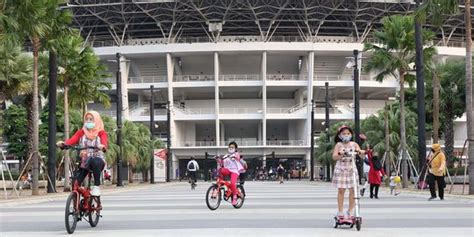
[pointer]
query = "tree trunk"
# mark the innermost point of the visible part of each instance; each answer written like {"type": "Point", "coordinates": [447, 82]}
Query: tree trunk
{"type": "Point", "coordinates": [436, 86]}
{"type": "Point", "coordinates": [469, 94]}
{"type": "Point", "coordinates": [387, 141]}
{"type": "Point", "coordinates": [67, 186]}
{"type": "Point", "coordinates": [29, 130]}
{"type": "Point", "coordinates": [449, 133]}
{"type": "Point", "coordinates": [130, 174]}
{"type": "Point", "coordinates": [114, 173]}
{"type": "Point", "coordinates": [403, 136]}
{"type": "Point", "coordinates": [35, 110]}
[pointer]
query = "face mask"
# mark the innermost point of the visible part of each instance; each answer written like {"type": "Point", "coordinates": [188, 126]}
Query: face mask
{"type": "Point", "coordinates": [231, 150]}
{"type": "Point", "coordinates": [346, 138]}
{"type": "Point", "coordinates": [90, 125]}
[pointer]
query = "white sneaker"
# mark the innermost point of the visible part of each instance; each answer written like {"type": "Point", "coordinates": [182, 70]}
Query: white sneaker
{"type": "Point", "coordinates": [95, 191]}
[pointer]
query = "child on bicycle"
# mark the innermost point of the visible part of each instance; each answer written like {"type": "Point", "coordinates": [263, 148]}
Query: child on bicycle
{"type": "Point", "coordinates": [231, 166]}
{"type": "Point", "coordinates": [92, 134]}
{"type": "Point", "coordinates": [343, 171]}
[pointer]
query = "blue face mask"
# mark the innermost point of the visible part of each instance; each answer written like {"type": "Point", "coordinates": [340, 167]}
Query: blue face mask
{"type": "Point", "coordinates": [346, 138]}
{"type": "Point", "coordinates": [90, 125]}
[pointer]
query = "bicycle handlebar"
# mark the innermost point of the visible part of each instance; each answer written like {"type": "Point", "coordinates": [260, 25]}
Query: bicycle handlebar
{"type": "Point", "coordinates": [79, 148]}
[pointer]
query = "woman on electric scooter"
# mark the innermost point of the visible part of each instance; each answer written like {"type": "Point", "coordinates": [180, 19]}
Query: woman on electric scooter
{"type": "Point", "coordinates": [92, 134]}
{"type": "Point", "coordinates": [232, 167]}
{"type": "Point", "coordinates": [343, 171]}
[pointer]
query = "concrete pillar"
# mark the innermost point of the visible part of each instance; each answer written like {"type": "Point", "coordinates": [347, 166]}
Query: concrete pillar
{"type": "Point", "coordinates": [310, 66]}
{"type": "Point", "coordinates": [216, 96]}
{"type": "Point", "coordinates": [170, 74]}
{"type": "Point", "coordinates": [264, 97]}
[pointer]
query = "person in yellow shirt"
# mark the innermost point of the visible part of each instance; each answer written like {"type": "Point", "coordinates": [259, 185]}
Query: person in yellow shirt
{"type": "Point", "coordinates": [437, 169]}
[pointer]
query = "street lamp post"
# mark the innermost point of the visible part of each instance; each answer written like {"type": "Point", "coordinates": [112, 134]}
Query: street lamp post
{"type": "Point", "coordinates": [312, 141]}
{"type": "Point", "coordinates": [168, 141]}
{"type": "Point", "coordinates": [53, 68]}
{"type": "Point", "coordinates": [357, 107]}
{"type": "Point", "coordinates": [326, 125]}
{"type": "Point", "coordinates": [420, 92]}
{"type": "Point", "coordinates": [119, 122]}
{"type": "Point", "coordinates": [152, 135]}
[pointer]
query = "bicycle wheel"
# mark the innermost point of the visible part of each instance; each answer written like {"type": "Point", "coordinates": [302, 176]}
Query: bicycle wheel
{"type": "Point", "coordinates": [71, 214]}
{"type": "Point", "coordinates": [213, 197]}
{"type": "Point", "coordinates": [241, 198]}
{"type": "Point", "coordinates": [94, 214]}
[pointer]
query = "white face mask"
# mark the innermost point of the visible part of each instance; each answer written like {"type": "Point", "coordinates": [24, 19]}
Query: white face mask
{"type": "Point", "coordinates": [231, 150]}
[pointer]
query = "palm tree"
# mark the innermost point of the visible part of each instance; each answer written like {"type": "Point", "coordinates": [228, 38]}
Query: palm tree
{"type": "Point", "coordinates": [395, 58]}
{"type": "Point", "coordinates": [34, 20]}
{"type": "Point", "coordinates": [452, 102]}
{"type": "Point", "coordinates": [82, 76]}
{"type": "Point", "coordinates": [374, 129]}
{"type": "Point", "coordinates": [438, 9]}
{"type": "Point", "coordinates": [469, 93]}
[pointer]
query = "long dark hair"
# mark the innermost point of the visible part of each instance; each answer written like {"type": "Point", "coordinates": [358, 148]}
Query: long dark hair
{"type": "Point", "coordinates": [339, 131]}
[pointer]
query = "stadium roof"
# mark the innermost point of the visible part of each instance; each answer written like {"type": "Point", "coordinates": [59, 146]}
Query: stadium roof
{"type": "Point", "coordinates": [120, 20]}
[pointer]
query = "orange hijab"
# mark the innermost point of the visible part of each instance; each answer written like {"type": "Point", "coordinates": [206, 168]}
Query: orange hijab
{"type": "Point", "coordinates": [99, 125]}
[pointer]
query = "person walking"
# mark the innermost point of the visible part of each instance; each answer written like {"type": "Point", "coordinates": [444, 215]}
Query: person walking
{"type": "Point", "coordinates": [437, 170]}
{"type": "Point", "coordinates": [375, 176]}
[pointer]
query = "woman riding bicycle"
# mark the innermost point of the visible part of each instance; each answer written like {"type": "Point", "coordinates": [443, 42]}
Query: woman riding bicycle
{"type": "Point", "coordinates": [92, 134]}
{"type": "Point", "coordinates": [232, 167]}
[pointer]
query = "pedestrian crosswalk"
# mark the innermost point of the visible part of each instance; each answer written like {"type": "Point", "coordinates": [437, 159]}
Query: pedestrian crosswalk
{"type": "Point", "coordinates": [271, 209]}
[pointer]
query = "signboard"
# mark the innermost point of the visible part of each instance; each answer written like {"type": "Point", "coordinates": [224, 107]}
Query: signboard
{"type": "Point", "coordinates": [160, 165]}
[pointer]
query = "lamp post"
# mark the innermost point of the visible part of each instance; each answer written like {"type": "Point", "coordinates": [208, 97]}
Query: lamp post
{"type": "Point", "coordinates": [357, 107]}
{"type": "Point", "coordinates": [420, 92]}
{"type": "Point", "coordinates": [119, 122]}
{"type": "Point", "coordinates": [326, 125]}
{"type": "Point", "coordinates": [53, 75]}
{"type": "Point", "coordinates": [168, 141]}
{"type": "Point", "coordinates": [312, 141]}
{"type": "Point", "coordinates": [152, 135]}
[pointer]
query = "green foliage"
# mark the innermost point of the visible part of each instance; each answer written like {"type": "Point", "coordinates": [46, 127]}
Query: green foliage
{"type": "Point", "coordinates": [16, 130]}
{"type": "Point", "coordinates": [373, 128]}
{"type": "Point", "coordinates": [397, 53]}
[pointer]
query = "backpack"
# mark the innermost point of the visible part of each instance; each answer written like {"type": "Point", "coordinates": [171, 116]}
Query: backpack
{"type": "Point", "coordinates": [377, 163]}
{"type": "Point", "coordinates": [191, 166]}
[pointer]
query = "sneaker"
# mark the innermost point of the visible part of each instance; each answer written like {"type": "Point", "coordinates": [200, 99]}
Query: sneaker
{"type": "Point", "coordinates": [95, 191]}
{"type": "Point", "coordinates": [431, 198]}
{"type": "Point", "coordinates": [441, 199]}
{"type": "Point", "coordinates": [234, 200]}
{"type": "Point", "coordinates": [349, 215]}
{"type": "Point", "coordinates": [340, 216]}
{"type": "Point", "coordinates": [362, 192]}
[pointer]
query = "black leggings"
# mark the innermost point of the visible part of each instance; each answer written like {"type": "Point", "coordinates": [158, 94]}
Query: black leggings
{"type": "Point", "coordinates": [94, 164]}
{"type": "Point", "coordinates": [376, 187]}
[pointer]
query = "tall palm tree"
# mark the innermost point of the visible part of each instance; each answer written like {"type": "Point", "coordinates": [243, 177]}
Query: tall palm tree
{"type": "Point", "coordinates": [395, 57]}
{"type": "Point", "coordinates": [34, 21]}
{"type": "Point", "coordinates": [451, 77]}
{"type": "Point", "coordinates": [469, 93]}
{"type": "Point", "coordinates": [82, 77]}
{"type": "Point", "coordinates": [438, 10]}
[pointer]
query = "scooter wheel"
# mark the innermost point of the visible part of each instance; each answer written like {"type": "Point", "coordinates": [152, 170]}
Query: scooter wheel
{"type": "Point", "coordinates": [336, 223]}
{"type": "Point", "coordinates": [358, 224]}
